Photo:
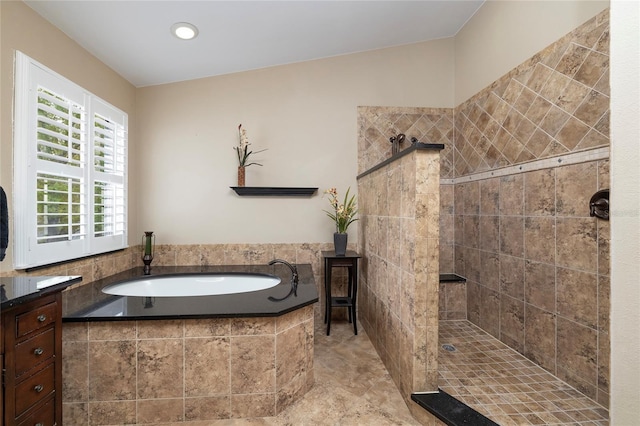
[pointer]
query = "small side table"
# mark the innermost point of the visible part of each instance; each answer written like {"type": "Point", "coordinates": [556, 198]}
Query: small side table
{"type": "Point", "coordinates": [349, 261]}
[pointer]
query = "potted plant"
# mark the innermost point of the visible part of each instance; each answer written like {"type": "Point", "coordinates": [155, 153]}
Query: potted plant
{"type": "Point", "coordinates": [343, 214]}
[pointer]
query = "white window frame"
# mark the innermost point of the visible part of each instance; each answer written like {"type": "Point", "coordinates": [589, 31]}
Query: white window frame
{"type": "Point", "coordinates": [30, 76]}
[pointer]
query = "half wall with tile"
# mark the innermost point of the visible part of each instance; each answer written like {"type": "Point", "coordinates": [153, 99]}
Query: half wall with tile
{"type": "Point", "coordinates": [398, 238]}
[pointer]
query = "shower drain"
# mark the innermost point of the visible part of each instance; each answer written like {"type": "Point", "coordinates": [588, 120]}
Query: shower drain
{"type": "Point", "coordinates": [449, 348]}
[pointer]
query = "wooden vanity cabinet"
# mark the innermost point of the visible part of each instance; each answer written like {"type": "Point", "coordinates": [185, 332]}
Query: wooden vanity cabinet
{"type": "Point", "coordinates": [32, 362]}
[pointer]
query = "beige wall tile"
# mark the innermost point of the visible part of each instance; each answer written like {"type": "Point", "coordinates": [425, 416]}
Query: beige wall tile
{"type": "Point", "coordinates": [540, 337]}
{"type": "Point", "coordinates": [512, 273]}
{"type": "Point", "coordinates": [75, 387]}
{"type": "Point", "coordinates": [112, 412]}
{"type": "Point", "coordinates": [257, 372]}
{"type": "Point", "coordinates": [540, 285]}
{"type": "Point", "coordinates": [576, 344]}
{"type": "Point", "coordinates": [540, 193]}
{"type": "Point", "coordinates": [160, 411]}
{"type": "Point", "coordinates": [206, 366]}
{"type": "Point", "coordinates": [577, 296]}
{"type": "Point", "coordinates": [512, 235]}
{"type": "Point", "coordinates": [159, 329]}
{"type": "Point", "coordinates": [512, 322]}
{"type": "Point", "coordinates": [576, 244]}
{"type": "Point", "coordinates": [207, 408]}
{"type": "Point", "coordinates": [575, 186]}
{"type": "Point", "coordinates": [540, 239]}
{"type": "Point", "coordinates": [159, 368]}
{"type": "Point", "coordinates": [75, 413]}
{"type": "Point", "coordinates": [112, 366]}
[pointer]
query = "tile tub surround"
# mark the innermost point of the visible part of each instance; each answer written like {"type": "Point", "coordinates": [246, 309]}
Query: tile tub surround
{"type": "Point", "coordinates": [537, 265]}
{"type": "Point", "coordinates": [398, 238]}
{"type": "Point", "coordinates": [185, 370]}
{"type": "Point", "coordinates": [192, 356]}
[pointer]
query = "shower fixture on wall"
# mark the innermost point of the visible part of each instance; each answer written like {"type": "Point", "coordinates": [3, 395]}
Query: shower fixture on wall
{"type": "Point", "coordinates": [396, 141]}
{"type": "Point", "coordinates": [599, 204]}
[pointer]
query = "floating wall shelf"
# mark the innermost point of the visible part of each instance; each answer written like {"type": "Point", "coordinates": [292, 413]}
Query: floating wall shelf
{"type": "Point", "coordinates": [271, 191]}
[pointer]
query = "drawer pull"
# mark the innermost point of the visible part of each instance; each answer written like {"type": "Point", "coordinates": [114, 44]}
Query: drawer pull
{"type": "Point", "coordinates": [39, 424]}
{"type": "Point", "coordinates": [38, 351]}
{"type": "Point", "coordinates": [42, 317]}
{"type": "Point", "coordinates": [38, 388]}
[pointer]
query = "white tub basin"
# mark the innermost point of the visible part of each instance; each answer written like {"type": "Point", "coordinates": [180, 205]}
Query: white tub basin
{"type": "Point", "coordinates": [193, 285]}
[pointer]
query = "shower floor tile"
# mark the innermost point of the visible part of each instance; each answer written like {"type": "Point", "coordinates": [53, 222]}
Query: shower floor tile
{"type": "Point", "coordinates": [502, 384]}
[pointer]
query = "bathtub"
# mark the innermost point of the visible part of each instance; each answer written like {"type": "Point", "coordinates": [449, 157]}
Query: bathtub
{"type": "Point", "coordinates": [189, 356]}
{"type": "Point", "coordinates": [179, 292]}
{"type": "Point", "coordinates": [193, 285]}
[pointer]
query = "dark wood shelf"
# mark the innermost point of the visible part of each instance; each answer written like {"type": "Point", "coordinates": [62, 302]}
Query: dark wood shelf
{"type": "Point", "coordinates": [273, 191]}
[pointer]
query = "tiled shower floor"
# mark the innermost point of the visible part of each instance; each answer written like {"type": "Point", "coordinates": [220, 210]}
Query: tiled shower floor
{"type": "Point", "coordinates": [503, 385]}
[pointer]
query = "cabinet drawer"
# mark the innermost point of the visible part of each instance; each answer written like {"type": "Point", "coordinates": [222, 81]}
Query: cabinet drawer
{"type": "Point", "coordinates": [34, 389]}
{"type": "Point", "coordinates": [36, 319]}
{"type": "Point", "coordinates": [43, 416]}
{"type": "Point", "coordinates": [32, 352]}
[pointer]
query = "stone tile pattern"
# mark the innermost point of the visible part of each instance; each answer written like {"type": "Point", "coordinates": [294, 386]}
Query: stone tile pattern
{"type": "Point", "coordinates": [537, 265]}
{"type": "Point", "coordinates": [429, 125]}
{"type": "Point", "coordinates": [557, 102]}
{"type": "Point", "coordinates": [502, 384]}
{"type": "Point", "coordinates": [150, 372]}
{"type": "Point", "coordinates": [537, 268]}
{"type": "Point", "coordinates": [398, 291]}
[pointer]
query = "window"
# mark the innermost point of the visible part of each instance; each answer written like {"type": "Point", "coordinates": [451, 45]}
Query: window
{"type": "Point", "coordinates": [70, 169]}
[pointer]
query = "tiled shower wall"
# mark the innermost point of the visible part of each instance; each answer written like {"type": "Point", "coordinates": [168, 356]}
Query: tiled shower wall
{"type": "Point", "coordinates": [537, 265]}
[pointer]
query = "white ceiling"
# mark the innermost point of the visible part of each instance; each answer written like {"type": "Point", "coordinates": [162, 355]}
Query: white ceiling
{"type": "Point", "coordinates": [133, 38]}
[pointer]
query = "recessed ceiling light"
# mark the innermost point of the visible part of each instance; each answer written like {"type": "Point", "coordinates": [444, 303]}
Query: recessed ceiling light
{"type": "Point", "coordinates": [184, 30]}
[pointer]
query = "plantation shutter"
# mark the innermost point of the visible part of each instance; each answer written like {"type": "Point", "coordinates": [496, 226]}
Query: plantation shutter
{"type": "Point", "coordinates": [108, 174]}
{"type": "Point", "coordinates": [61, 213]}
{"type": "Point", "coordinates": [70, 169]}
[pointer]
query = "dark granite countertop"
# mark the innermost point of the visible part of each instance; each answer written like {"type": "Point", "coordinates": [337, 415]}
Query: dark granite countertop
{"type": "Point", "coordinates": [88, 303]}
{"type": "Point", "coordinates": [18, 290]}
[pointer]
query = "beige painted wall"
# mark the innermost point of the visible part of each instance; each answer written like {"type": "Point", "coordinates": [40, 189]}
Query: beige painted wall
{"type": "Point", "coordinates": [23, 29]}
{"type": "Point", "coordinates": [304, 114]}
{"type": "Point", "coordinates": [503, 34]}
{"type": "Point", "coordinates": [625, 211]}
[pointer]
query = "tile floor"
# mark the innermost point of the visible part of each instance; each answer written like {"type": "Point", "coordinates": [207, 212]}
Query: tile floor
{"type": "Point", "coordinates": [500, 383]}
{"type": "Point", "coordinates": [352, 386]}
